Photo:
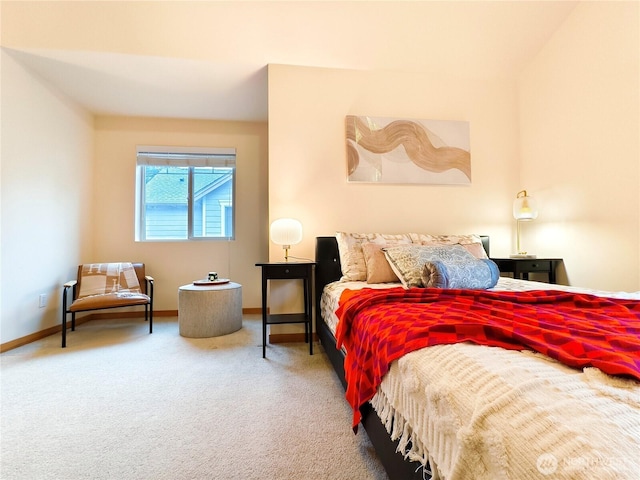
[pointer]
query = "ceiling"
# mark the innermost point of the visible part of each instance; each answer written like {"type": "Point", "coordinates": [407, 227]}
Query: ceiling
{"type": "Point", "coordinates": [480, 39]}
{"type": "Point", "coordinates": [135, 85]}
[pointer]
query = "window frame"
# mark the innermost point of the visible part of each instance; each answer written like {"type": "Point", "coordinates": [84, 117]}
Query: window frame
{"type": "Point", "coordinates": [190, 158]}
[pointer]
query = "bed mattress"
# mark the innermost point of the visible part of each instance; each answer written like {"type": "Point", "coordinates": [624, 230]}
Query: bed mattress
{"type": "Point", "coordinates": [477, 412]}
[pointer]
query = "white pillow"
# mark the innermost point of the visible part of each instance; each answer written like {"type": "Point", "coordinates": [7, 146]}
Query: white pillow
{"type": "Point", "coordinates": [473, 243]}
{"type": "Point", "coordinates": [352, 260]}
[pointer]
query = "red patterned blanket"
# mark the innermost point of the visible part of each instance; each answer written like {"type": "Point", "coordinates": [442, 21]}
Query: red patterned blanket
{"type": "Point", "coordinates": [379, 326]}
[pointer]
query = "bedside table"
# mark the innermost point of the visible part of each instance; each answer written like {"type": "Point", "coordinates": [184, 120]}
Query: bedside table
{"type": "Point", "coordinates": [287, 271]}
{"type": "Point", "coordinates": [522, 267]}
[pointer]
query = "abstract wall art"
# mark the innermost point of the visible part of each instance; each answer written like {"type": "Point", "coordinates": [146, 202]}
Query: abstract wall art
{"type": "Point", "coordinates": [387, 150]}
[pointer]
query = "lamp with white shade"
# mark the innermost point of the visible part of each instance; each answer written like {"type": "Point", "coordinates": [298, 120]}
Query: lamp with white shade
{"type": "Point", "coordinates": [524, 210]}
{"type": "Point", "coordinates": [286, 232]}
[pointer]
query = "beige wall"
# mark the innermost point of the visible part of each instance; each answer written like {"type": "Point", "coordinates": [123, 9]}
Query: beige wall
{"type": "Point", "coordinates": [178, 263]}
{"type": "Point", "coordinates": [307, 174]}
{"type": "Point", "coordinates": [580, 145]}
{"type": "Point", "coordinates": [45, 184]}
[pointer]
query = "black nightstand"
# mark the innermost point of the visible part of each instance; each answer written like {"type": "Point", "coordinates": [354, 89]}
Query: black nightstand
{"type": "Point", "coordinates": [522, 267]}
{"type": "Point", "coordinates": [287, 271]}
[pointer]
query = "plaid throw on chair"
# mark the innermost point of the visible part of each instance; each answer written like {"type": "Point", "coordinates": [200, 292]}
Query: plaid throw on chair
{"type": "Point", "coordinates": [103, 278]}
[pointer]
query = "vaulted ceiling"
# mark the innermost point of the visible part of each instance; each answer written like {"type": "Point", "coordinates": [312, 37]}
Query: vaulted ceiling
{"type": "Point", "coordinates": [207, 60]}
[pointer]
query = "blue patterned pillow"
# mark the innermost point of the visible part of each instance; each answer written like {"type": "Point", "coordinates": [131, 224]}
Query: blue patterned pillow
{"type": "Point", "coordinates": [408, 261]}
{"type": "Point", "coordinates": [474, 274]}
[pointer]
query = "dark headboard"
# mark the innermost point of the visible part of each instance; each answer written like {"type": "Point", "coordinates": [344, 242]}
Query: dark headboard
{"type": "Point", "coordinates": [328, 263]}
{"type": "Point", "coordinates": [485, 244]}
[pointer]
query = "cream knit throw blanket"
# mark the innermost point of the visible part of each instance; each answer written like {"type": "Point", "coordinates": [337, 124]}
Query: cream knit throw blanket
{"type": "Point", "coordinates": [486, 413]}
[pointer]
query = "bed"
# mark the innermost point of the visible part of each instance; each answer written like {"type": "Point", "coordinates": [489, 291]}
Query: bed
{"type": "Point", "coordinates": [470, 411]}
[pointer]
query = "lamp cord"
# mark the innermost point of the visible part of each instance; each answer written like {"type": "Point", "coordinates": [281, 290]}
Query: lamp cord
{"type": "Point", "coordinates": [301, 258]}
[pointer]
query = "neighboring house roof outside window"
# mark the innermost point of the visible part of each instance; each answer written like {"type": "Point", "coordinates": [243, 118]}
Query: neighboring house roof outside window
{"type": "Point", "coordinates": [171, 188]}
{"type": "Point", "coordinates": [204, 185]}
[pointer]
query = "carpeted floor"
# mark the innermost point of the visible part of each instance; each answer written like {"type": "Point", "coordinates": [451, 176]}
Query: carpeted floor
{"type": "Point", "coordinates": [121, 404]}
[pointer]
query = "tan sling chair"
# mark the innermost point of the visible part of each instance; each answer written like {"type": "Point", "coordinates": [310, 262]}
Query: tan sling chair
{"type": "Point", "coordinates": [107, 285]}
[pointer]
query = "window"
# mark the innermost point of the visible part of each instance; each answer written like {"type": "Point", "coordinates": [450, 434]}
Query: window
{"type": "Point", "coordinates": [185, 193]}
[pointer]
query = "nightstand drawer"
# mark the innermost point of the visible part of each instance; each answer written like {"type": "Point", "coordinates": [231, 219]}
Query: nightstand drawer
{"type": "Point", "coordinates": [287, 271]}
{"type": "Point", "coordinates": [534, 265]}
{"type": "Point", "coordinates": [522, 267]}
